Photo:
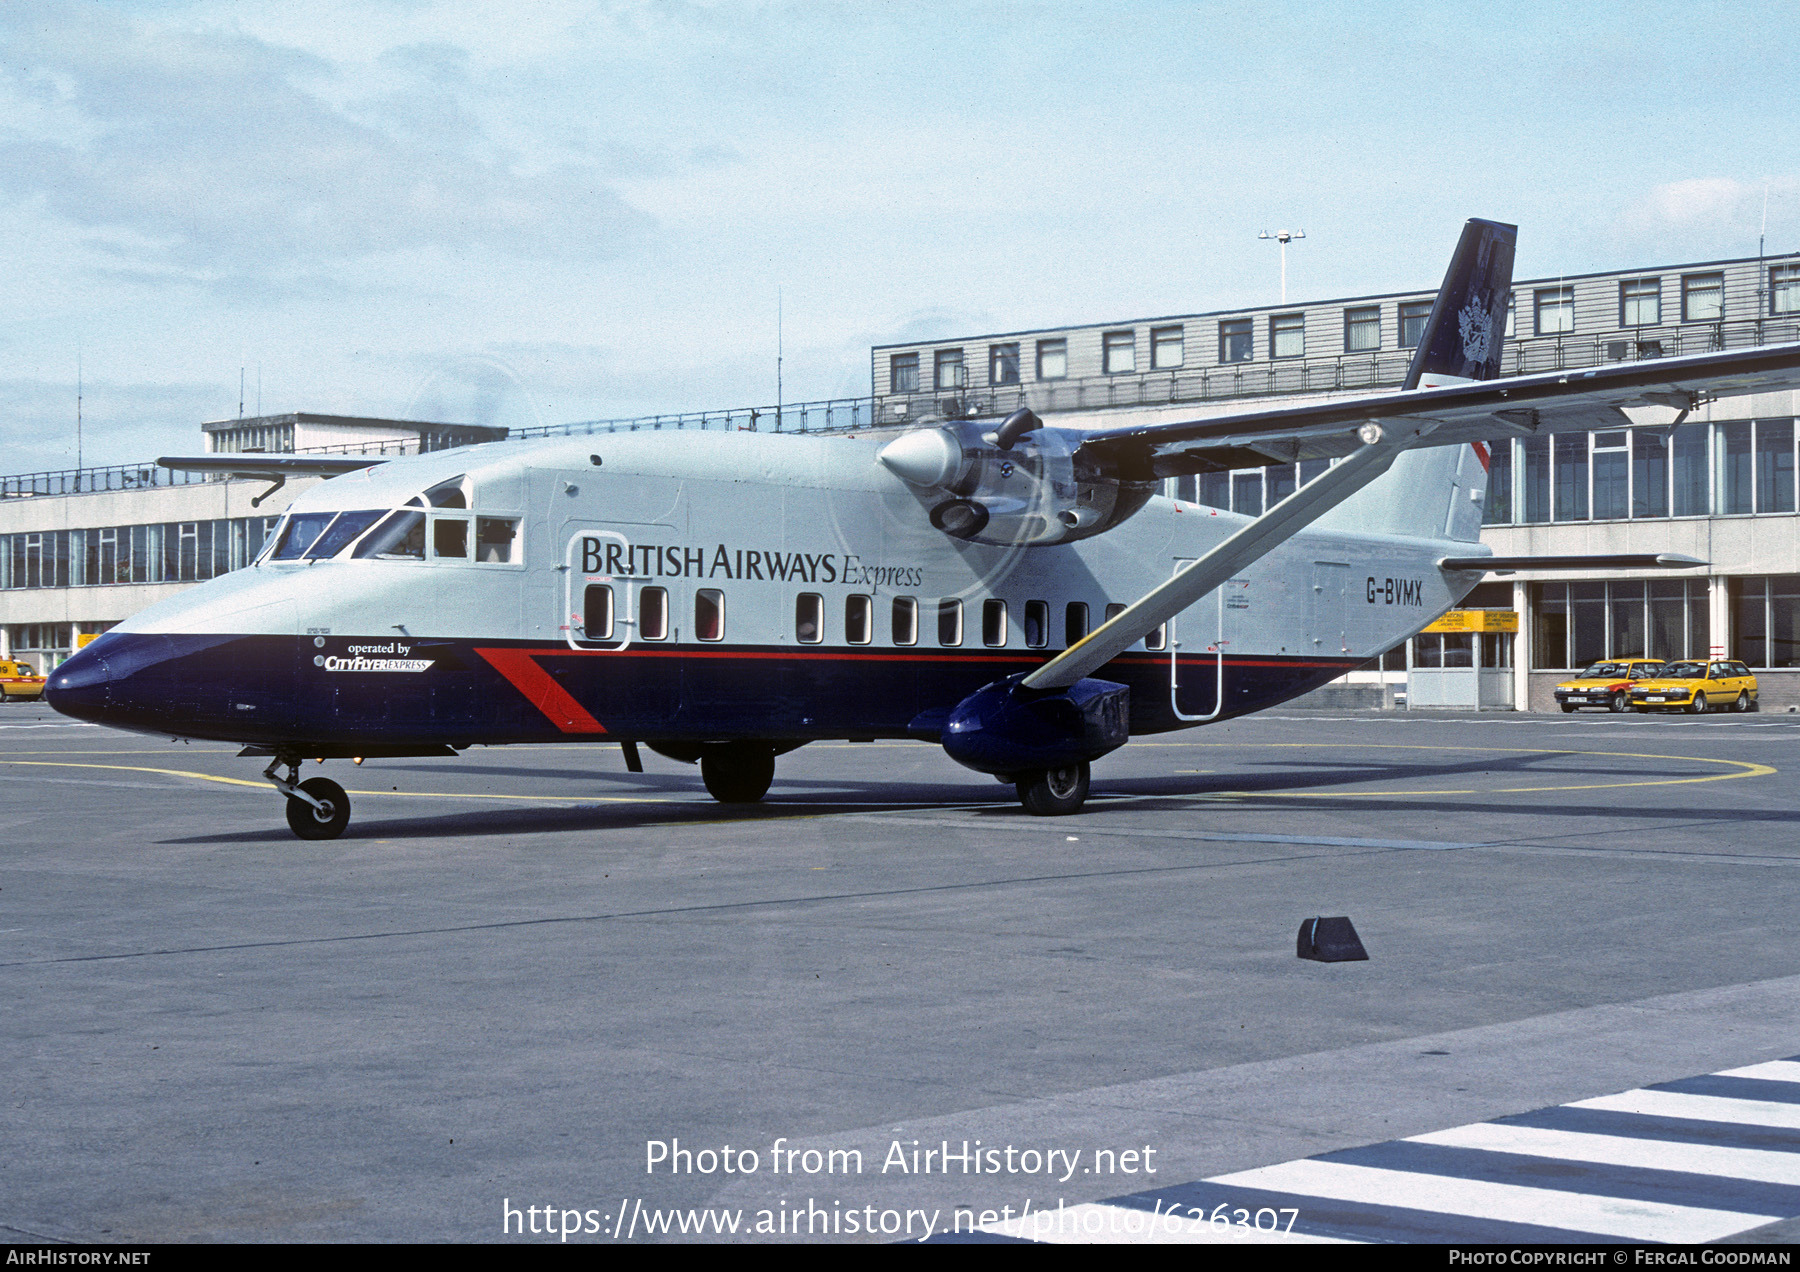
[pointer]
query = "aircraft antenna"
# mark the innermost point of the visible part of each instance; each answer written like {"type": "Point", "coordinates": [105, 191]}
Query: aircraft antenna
{"type": "Point", "coordinates": [778, 359]}
{"type": "Point", "coordinates": [1283, 237]}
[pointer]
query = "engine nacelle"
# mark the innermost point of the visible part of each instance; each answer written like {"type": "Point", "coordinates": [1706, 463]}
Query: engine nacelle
{"type": "Point", "coordinates": [1032, 493]}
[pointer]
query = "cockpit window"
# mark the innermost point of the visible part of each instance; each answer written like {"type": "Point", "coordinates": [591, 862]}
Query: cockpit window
{"type": "Point", "coordinates": [339, 534]}
{"type": "Point", "coordinates": [298, 535]}
{"type": "Point", "coordinates": [449, 494]}
{"type": "Point", "coordinates": [400, 538]}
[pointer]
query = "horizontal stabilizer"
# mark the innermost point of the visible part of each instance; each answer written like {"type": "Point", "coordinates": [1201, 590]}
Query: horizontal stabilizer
{"type": "Point", "coordinates": [271, 466]}
{"type": "Point", "coordinates": [1604, 561]}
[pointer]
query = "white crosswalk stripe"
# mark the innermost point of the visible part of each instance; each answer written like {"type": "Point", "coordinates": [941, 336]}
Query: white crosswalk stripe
{"type": "Point", "coordinates": [1655, 1164]}
{"type": "Point", "coordinates": [1621, 1150]}
{"type": "Point", "coordinates": [1700, 1108]}
{"type": "Point", "coordinates": [1511, 1203]}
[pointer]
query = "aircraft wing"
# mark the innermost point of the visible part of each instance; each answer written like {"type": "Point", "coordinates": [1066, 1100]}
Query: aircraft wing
{"type": "Point", "coordinates": [1551, 402]}
{"type": "Point", "coordinates": [273, 467]}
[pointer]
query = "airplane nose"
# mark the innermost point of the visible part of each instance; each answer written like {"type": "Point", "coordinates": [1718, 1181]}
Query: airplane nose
{"type": "Point", "coordinates": [79, 687]}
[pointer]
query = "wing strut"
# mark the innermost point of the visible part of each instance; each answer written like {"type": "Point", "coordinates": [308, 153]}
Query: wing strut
{"type": "Point", "coordinates": [1251, 544]}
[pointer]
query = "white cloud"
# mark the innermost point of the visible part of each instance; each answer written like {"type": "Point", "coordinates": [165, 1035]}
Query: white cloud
{"type": "Point", "coordinates": [217, 153]}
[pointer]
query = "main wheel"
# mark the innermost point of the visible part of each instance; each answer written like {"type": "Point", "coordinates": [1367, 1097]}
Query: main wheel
{"type": "Point", "coordinates": [327, 822]}
{"type": "Point", "coordinates": [1568, 708]}
{"type": "Point", "coordinates": [1698, 705]}
{"type": "Point", "coordinates": [737, 772]}
{"type": "Point", "coordinates": [1618, 702]}
{"type": "Point", "coordinates": [1743, 701]}
{"type": "Point", "coordinates": [1054, 792]}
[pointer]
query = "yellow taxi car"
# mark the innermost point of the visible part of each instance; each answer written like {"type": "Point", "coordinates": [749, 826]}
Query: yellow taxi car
{"type": "Point", "coordinates": [1606, 684]}
{"type": "Point", "coordinates": [17, 680]}
{"type": "Point", "coordinates": [1698, 687]}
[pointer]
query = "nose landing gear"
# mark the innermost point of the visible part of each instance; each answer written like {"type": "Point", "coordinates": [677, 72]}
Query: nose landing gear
{"type": "Point", "coordinates": [317, 808]}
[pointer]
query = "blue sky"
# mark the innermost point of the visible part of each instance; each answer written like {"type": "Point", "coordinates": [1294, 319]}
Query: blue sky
{"type": "Point", "coordinates": [524, 214]}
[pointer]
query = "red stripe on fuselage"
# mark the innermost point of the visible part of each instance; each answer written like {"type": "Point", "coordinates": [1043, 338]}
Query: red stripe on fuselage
{"type": "Point", "coordinates": [541, 690]}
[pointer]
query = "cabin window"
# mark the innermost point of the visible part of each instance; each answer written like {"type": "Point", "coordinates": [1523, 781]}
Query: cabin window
{"type": "Point", "coordinates": [1113, 610]}
{"type": "Point", "coordinates": [809, 618]}
{"type": "Point", "coordinates": [1037, 624]}
{"type": "Point", "coordinates": [993, 623]}
{"type": "Point", "coordinates": [949, 622]}
{"type": "Point", "coordinates": [1159, 638]}
{"type": "Point", "coordinates": [400, 538]}
{"type": "Point", "coordinates": [494, 538]}
{"type": "Point", "coordinates": [450, 537]}
{"type": "Point", "coordinates": [906, 620]}
{"type": "Point", "coordinates": [709, 614]}
{"type": "Point", "coordinates": [859, 619]}
{"type": "Point", "coordinates": [653, 613]}
{"type": "Point", "coordinates": [1075, 622]}
{"type": "Point", "coordinates": [597, 612]}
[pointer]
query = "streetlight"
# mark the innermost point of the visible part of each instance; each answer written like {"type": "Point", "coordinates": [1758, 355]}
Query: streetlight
{"type": "Point", "coordinates": [1284, 238]}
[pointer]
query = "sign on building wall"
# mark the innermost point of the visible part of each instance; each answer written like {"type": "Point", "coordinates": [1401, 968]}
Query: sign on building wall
{"type": "Point", "coordinates": [1477, 621]}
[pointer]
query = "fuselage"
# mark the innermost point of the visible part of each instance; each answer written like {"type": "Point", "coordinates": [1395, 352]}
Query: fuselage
{"type": "Point", "coordinates": [680, 588]}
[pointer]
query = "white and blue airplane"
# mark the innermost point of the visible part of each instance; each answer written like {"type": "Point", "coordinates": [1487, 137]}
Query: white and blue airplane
{"type": "Point", "coordinates": [1011, 590]}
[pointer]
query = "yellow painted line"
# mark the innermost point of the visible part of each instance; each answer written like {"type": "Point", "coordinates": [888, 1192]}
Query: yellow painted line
{"type": "Point", "coordinates": [261, 785]}
{"type": "Point", "coordinates": [1747, 769]}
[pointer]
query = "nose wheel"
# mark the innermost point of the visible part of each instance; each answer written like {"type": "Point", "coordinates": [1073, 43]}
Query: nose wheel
{"type": "Point", "coordinates": [324, 814]}
{"type": "Point", "coordinates": [317, 808]}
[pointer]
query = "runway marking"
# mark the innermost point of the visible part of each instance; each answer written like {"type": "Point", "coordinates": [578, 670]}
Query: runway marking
{"type": "Point", "coordinates": [1661, 1163]}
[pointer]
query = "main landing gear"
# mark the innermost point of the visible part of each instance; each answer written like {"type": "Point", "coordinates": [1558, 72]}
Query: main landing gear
{"type": "Point", "coordinates": [737, 772]}
{"type": "Point", "coordinates": [1053, 792]}
{"type": "Point", "coordinates": [317, 808]}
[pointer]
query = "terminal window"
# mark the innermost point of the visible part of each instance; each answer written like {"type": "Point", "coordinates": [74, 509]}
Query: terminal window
{"type": "Point", "coordinates": [1287, 336]}
{"type": "Point", "coordinates": [948, 369]}
{"type": "Point", "coordinates": [1555, 307]}
{"type": "Point", "coordinates": [1120, 352]}
{"type": "Point", "coordinates": [1702, 297]}
{"type": "Point", "coordinates": [903, 373]}
{"type": "Point", "coordinates": [1165, 348]}
{"type": "Point", "coordinates": [1640, 302]}
{"type": "Point", "coordinates": [1766, 617]}
{"type": "Point", "coordinates": [1413, 314]}
{"type": "Point", "coordinates": [1362, 329]}
{"type": "Point", "coordinates": [1052, 359]}
{"type": "Point", "coordinates": [1784, 289]}
{"type": "Point", "coordinates": [1003, 364]}
{"type": "Point", "coordinates": [1237, 343]}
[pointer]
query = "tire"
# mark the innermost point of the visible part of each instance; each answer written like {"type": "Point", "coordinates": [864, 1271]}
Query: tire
{"type": "Point", "coordinates": [1568, 708]}
{"type": "Point", "coordinates": [1698, 705]}
{"type": "Point", "coordinates": [312, 823]}
{"type": "Point", "coordinates": [1743, 701]}
{"type": "Point", "coordinates": [737, 772]}
{"type": "Point", "coordinates": [1642, 710]}
{"type": "Point", "coordinates": [1617, 703]}
{"type": "Point", "coordinates": [1054, 792]}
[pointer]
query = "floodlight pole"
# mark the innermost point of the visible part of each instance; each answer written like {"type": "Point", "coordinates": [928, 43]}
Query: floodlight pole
{"type": "Point", "coordinates": [1283, 237]}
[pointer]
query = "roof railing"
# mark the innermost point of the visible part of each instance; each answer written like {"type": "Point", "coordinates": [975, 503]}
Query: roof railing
{"type": "Point", "coordinates": [1266, 377]}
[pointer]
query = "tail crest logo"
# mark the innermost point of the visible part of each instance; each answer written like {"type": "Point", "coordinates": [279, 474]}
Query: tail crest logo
{"type": "Point", "coordinates": [1477, 330]}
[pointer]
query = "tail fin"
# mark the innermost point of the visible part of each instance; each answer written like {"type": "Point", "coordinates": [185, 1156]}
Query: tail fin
{"type": "Point", "coordinates": [1468, 321]}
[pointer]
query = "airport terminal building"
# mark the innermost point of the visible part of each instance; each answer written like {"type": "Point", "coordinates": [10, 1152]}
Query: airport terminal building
{"type": "Point", "coordinates": [80, 551]}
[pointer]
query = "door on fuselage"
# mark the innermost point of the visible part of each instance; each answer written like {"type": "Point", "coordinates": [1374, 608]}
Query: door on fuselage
{"type": "Point", "coordinates": [617, 623]}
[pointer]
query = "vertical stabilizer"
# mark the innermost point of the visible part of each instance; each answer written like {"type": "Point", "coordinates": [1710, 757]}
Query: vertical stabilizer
{"type": "Point", "coordinates": [1468, 321]}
